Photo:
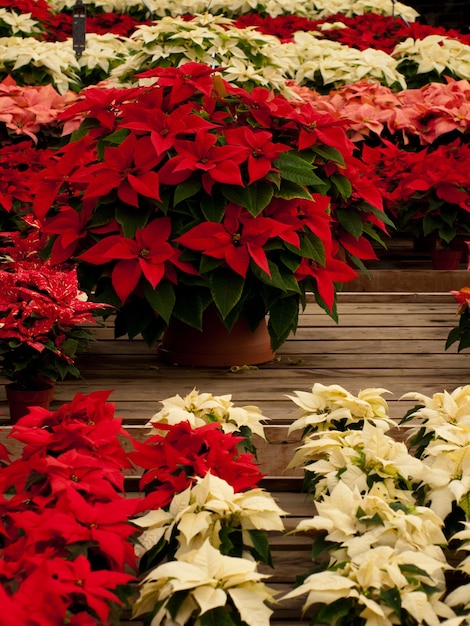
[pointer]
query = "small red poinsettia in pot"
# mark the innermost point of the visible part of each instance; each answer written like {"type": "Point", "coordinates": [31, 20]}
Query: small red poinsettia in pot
{"type": "Point", "coordinates": [42, 317]}
{"type": "Point", "coordinates": [191, 193]}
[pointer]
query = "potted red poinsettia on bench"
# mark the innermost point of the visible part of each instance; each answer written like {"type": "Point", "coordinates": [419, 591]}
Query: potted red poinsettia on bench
{"type": "Point", "coordinates": [42, 317]}
{"type": "Point", "coordinates": [191, 195]}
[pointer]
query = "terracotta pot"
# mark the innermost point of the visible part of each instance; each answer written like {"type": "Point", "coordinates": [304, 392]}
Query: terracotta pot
{"type": "Point", "coordinates": [445, 259]}
{"type": "Point", "coordinates": [215, 346]}
{"type": "Point", "coordinates": [20, 401]}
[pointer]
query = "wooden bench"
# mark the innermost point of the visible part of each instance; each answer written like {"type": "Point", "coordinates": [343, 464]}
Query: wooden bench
{"type": "Point", "coordinates": [390, 340]}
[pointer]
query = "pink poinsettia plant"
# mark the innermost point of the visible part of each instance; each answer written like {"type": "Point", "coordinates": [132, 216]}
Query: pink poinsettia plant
{"type": "Point", "coordinates": [31, 111]}
{"type": "Point", "coordinates": [42, 315]}
{"type": "Point", "coordinates": [191, 190]}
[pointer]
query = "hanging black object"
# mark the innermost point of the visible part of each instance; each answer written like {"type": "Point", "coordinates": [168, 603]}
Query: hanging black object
{"type": "Point", "coordinates": [79, 27]}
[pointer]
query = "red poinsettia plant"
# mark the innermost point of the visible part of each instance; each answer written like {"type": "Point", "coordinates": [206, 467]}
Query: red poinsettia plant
{"type": "Point", "coordinates": [67, 543]}
{"type": "Point", "coordinates": [428, 191]}
{"type": "Point", "coordinates": [175, 456]}
{"type": "Point", "coordinates": [192, 191]}
{"type": "Point", "coordinates": [42, 315]}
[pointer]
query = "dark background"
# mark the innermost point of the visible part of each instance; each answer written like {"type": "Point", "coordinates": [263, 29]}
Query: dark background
{"type": "Point", "coordinates": [448, 13]}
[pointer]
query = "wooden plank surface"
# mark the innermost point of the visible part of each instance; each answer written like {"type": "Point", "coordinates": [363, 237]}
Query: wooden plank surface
{"type": "Point", "coordinates": [394, 340]}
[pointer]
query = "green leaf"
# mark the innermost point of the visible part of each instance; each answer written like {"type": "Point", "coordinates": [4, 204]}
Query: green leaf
{"type": "Point", "coordinates": [208, 264]}
{"type": "Point", "coordinates": [290, 190]}
{"type": "Point", "coordinates": [351, 221]}
{"type": "Point", "coordinates": [69, 347]}
{"type": "Point", "coordinates": [254, 197]}
{"type": "Point", "coordinates": [227, 546]}
{"type": "Point", "coordinates": [320, 546]}
{"type": "Point", "coordinates": [154, 556]}
{"type": "Point", "coordinates": [342, 184]}
{"type": "Point", "coordinates": [452, 337]}
{"type": "Point", "coordinates": [260, 542]}
{"type": "Point", "coordinates": [312, 247]}
{"type": "Point", "coordinates": [464, 504]}
{"type": "Point", "coordinates": [189, 310]}
{"type": "Point", "coordinates": [392, 598]}
{"type": "Point", "coordinates": [226, 288]}
{"type": "Point", "coordinates": [131, 218]}
{"type": "Point", "coordinates": [381, 215]}
{"type": "Point", "coordinates": [329, 153]}
{"type": "Point", "coordinates": [84, 128]}
{"type": "Point", "coordinates": [133, 318]}
{"type": "Point", "coordinates": [216, 617]}
{"type": "Point", "coordinates": [162, 299]}
{"type": "Point", "coordinates": [297, 170]}
{"type": "Point", "coordinates": [283, 318]}
{"type": "Point", "coordinates": [464, 342]}
{"type": "Point", "coordinates": [213, 209]}
{"type": "Point", "coordinates": [176, 600]}
{"type": "Point", "coordinates": [331, 613]}
{"type": "Point", "coordinates": [117, 137]}
{"type": "Point", "coordinates": [186, 190]}
{"type": "Point", "coordinates": [409, 568]}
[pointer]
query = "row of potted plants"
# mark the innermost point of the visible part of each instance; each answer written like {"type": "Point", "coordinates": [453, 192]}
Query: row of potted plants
{"type": "Point", "coordinates": [249, 56]}
{"type": "Point", "coordinates": [392, 517]}
{"type": "Point", "coordinates": [414, 193]}
{"type": "Point", "coordinates": [186, 551]}
{"type": "Point", "coordinates": [387, 527]}
{"type": "Point", "coordinates": [252, 219]}
{"type": "Point", "coordinates": [237, 198]}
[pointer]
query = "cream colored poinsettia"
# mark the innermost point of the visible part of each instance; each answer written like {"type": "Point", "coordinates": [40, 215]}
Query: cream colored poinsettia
{"type": "Point", "coordinates": [359, 7]}
{"type": "Point", "coordinates": [332, 403]}
{"type": "Point", "coordinates": [257, 59]}
{"type": "Point", "coordinates": [355, 458]}
{"type": "Point", "coordinates": [56, 59]}
{"type": "Point", "coordinates": [18, 23]}
{"type": "Point", "coordinates": [199, 512]}
{"type": "Point", "coordinates": [338, 64]}
{"type": "Point", "coordinates": [441, 408]}
{"type": "Point", "coordinates": [211, 580]}
{"type": "Point", "coordinates": [108, 6]}
{"type": "Point", "coordinates": [382, 569]}
{"type": "Point", "coordinates": [447, 477]}
{"type": "Point", "coordinates": [104, 52]}
{"type": "Point", "coordinates": [460, 597]}
{"type": "Point", "coordinates": [352, 520]}
{"type": "Point", "coordinates": [202, 408]}
{"type": "Point", "coordinates": [435, 53]}
{"type": "Point", "coordinates": [310, 8]}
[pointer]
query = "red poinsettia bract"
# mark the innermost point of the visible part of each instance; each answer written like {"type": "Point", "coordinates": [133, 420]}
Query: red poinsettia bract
{"type": "Point", "coordinates": [174, 459]}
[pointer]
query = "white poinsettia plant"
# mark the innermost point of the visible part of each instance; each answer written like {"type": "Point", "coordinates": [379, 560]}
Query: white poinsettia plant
{"type": "Point", "coordinates": [20, 24]}
{"type": "Point", "coordinates": [422, 60]}
{"type": "Point", "coordinates": [440, 434]}
{"type": "Point", "coordinates": [34, 62]}
{"type": "Point", "coordinates": [321, 63]}
{"type": "Point", "coordinates": [210, 511]}
{"type": "Point", "coordinates": [204, 408]}
{"type": "Point", "coordinates": [386, 512]}
{"type": "Point", "coordinates": [199, 553]}
{"type": "Point", "coordinates": [312, 8]}
{"type": "Point", "coordinates": [199, 586]}
{"type": "Point", "coordinates": [248, 57]}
